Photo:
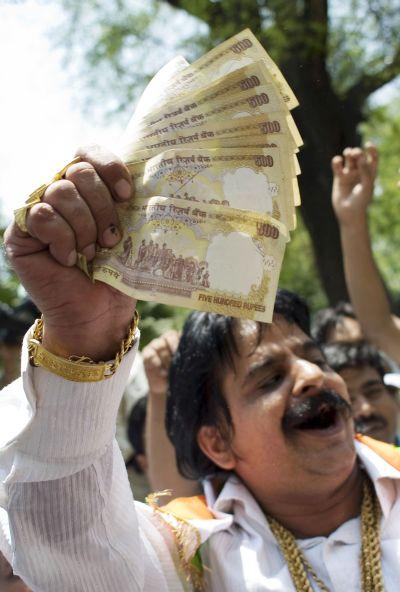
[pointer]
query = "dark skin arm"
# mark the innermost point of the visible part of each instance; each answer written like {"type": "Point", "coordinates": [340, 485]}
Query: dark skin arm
{"type": "Point", "coordinates": [9, 582]}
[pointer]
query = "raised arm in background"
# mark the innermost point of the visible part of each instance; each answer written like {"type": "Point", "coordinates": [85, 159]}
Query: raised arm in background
{"type": "Point", "coordinates": [353, 185]}
{"type": "Point", "coordinates": [162, 469]}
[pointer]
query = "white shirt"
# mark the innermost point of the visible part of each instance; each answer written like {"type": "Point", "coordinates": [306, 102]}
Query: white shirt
{"type": "Point", "coordinates": [68, 522]}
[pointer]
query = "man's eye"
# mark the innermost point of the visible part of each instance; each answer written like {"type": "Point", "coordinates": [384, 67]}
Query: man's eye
{"type": "Point", "coordinates": [272, 382]}
{"type": "Point", "coordinates": [374, 394]}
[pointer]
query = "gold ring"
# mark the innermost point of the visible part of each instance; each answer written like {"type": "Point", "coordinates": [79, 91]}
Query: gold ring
{"type": "Point", "coordinates": [37, 196]}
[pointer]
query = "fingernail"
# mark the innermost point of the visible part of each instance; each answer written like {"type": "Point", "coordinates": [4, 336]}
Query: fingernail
{"type": "Point", "coordinates": [71, 259]}
{"type": "Point", "coordinates": [89, 252]}
{"type": "Point", "coordinates": [123, 189]}
{"type": "Point", "coordinates": [111, 236]}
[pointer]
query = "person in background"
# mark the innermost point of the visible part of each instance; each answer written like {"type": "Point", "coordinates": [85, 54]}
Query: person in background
{"type": "Point", "coordinates": [354, 176]}
{"type": "Point", "coordinates": [149, 455]}
{"type": "Point", "coordinates": [337, 330]}
{"type": "Point", "coordinates": [375, 405]}
{"type": "Point", "coordinates": [162, 469]}
{"type": "Point", "coordinates": [336, 323]}
{"type": "Point", "coordinates": [136, 434]}
{"type": "Point", "coordinates": [137, 387]}
{"type": "Point", "coordinates": [137, 464]}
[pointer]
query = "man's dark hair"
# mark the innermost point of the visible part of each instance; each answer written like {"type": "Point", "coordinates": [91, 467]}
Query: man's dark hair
{"type": "Point", "coordinates": [357, 354]}
{"type": "Point", "coordinates": [136, 429]}
{"type": "Point", "coordinates": [206, 348]}
{"type": "Point", "coordinates": [327, 319]}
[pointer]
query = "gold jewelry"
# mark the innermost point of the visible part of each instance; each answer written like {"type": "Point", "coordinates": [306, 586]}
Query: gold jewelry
{"type": "Point", "coordinates": [300, 569]}
{"type": "Point", "coordinates": [37, 196]}
{"type": "Point", "coordinates": [77, 368]}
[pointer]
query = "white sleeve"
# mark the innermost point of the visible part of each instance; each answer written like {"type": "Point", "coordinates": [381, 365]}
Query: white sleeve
{"type": "Point", "coordinates": [67, 516]}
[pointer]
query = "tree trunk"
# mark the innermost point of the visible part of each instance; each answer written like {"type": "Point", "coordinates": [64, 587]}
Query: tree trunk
{"type": "Point", "coordinates": [327, 125]}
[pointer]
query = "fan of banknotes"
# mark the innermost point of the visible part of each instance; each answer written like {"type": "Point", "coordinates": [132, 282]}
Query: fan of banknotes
{"type": "Point", "coordinates": [212, 150]}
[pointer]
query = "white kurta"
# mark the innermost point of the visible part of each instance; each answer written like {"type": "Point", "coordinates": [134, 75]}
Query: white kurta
{"type": "Point", "coordinates": [68, 522]}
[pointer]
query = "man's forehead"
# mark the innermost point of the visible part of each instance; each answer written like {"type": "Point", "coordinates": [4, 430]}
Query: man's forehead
{"type": "Point", "coordinates": [347, 329]}
{"type": "Point", "coordinates": [255, 338]}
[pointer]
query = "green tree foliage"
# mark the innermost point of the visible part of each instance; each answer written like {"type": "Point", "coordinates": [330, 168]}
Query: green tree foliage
{"type": "Point", "coordinates": [383, 128]}
{"type": "Point", "coordinates": [158, 318]}
{"type": "Point", "coordinates": [299, 273]}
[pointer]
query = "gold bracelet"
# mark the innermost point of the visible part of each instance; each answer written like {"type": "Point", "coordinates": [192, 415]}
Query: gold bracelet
{"type": "Point", "coordinates": [77, 368]}
{"type": "Point", "coordinates": [37, 196]}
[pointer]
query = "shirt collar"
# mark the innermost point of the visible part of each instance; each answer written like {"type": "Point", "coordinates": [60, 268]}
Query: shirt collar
{"type": "Point", "coordinates": [384, 477]}
{"type": "Point", "coordinates": [236, 501]}
{"type": "Point", "coordinates": [235, 494]}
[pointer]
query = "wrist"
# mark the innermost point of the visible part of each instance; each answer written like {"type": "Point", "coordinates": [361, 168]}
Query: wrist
{"type": "Point", "coordinates": [78, 368]}
{"type": "Point", "coordinates": [355, 224]}
{"type": "Point", "coordinates": [98, 340]}
{"type": "Point", "coordinates": [158, 397]}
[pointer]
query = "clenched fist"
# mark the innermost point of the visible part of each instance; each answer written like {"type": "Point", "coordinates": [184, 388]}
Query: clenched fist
{"type": "Point", "coordinates": [76, 214]}
{"type": "Point", "coordinates": [353, 183]}
{"type": "Point", "coordinates": [157, 357]}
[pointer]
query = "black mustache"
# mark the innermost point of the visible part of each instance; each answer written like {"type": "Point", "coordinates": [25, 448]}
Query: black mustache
{"type": "Point", "coordinates": [307, 408]}
{"type": "Point", "coordinates": [363, 423]}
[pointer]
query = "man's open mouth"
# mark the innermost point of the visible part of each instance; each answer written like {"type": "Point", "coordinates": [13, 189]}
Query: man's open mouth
{"type": "Point", "coordinates": [324, 418]}
{"type": "Point", "coordinates": [321, 413]}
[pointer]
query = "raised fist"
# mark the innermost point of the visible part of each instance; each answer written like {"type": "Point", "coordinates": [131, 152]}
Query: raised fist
{"type": "Point", "coordinates": [157, 357]}
{"type": "Point", "coordinates": [354, 176]}
{"type": "Point", "coordinates": [76, 214]}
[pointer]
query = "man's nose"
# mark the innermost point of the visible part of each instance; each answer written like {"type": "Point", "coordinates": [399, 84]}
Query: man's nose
{"type": "Point", "coordinates": [361, 406]}
{"type": "Point", "coordinates": [308, 377]}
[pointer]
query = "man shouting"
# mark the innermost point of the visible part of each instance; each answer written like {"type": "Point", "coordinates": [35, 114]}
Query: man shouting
{"type": "Point", "coordinates": [292, 501]}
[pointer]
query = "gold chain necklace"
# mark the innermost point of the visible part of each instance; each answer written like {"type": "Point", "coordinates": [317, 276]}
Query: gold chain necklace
{"type": "Point", "coordinates": [371, 569]}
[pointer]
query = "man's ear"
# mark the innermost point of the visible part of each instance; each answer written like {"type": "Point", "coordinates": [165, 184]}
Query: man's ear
{"type": "Point", "coordinates": [216, 447]}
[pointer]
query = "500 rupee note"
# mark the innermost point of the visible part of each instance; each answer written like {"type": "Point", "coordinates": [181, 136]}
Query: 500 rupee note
{"type": "Point", "coordinates": [249, 179]}
{"type": "Point", "coordinates": [161, 138]}
{"type": "Point", "coordinates": [260, 125]}
{"type": "Point", "coordinates": [277, 141]}
{"type": "Point", "coordinates": [249, 77]}
{"type": "Point", "coordinates": [241, 83]}
{"type": "Point", "coordinates": [151, 94]}
{"type": "Point", "coordinates": [238, 107]}
{"type": "Point", "coordinates": [241, 49]}
{"type": "Point", "coordinates": [208, 258]}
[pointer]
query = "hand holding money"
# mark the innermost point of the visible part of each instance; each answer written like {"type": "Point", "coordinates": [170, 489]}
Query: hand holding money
{"type": "Point", "coordinates": [80, 317]}
{"type": "Point", "coordinates": [211, 155]}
